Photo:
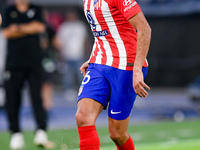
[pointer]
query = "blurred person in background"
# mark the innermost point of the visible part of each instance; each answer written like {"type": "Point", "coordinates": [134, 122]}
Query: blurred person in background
{"type": "Point", "coordinates": [115, 72]}
{"type": "Point", "coordinates": [2, 55]}
{"type": "Point", "coordinates": [49, 67]}
{"type": "Point", "coordinates": [22, 24]}
{"type": "Point", "coordinates": [2, 51]}
{"type": "Point", "coordinates": [72, 37]}
{"type": "Point", "coordinates": [2, 60]}
{"type": "Point", "coordinates": [49, 53]}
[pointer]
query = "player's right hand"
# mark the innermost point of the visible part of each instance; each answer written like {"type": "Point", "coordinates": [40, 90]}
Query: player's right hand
{"type": "Point", "coordinates": [84, 68]}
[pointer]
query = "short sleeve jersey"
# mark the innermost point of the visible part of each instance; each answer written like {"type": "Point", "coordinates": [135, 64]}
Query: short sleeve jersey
{"type": "Point", "coordinates": [23, 52]}
{"type": "Point", "coordinates": [115, 38]}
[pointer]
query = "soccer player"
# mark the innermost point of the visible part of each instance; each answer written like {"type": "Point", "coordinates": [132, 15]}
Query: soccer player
{"type": "Point", "coordinates": [115, 72]}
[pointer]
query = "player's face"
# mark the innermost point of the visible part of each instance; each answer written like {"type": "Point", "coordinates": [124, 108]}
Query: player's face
{"type": "Point", "coordinates": [22, 1]}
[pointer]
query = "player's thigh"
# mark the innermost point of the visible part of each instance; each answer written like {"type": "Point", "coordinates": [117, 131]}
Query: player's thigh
{"type": "Point", "coordinates": [122, 96]}
{"type": "Point", "coordinates": [88, 111]}
{"type": "Point", "coordinates": [95, 86]}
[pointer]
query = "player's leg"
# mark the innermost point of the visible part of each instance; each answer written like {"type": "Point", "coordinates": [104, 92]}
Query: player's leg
{"type": "Point", "coordinates": [87, 113]}
{"type": "Point", "coordinates": [93, 98]}
{"type": "Point", "coordinates": [121, 103]}
{"type": "Point", "coordinates": [118, 130]}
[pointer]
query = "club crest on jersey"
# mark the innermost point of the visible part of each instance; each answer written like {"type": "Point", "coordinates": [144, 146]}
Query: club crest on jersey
{"type": "Point", "coordinates": [97, 4]}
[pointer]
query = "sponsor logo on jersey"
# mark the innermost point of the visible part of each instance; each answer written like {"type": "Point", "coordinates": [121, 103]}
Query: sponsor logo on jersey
{"type": "Point", "coordinates": [97, 4]}
{"type": "Point", "coordinates": [100, 33]}
{"type": "Point", "coordinates": [130, 6]}
{"type": "Point", "coordinates": [127, 2]}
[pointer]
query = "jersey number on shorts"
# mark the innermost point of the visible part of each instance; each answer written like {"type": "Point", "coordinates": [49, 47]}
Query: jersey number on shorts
{"type": "Point", "coordinates": [86, 78]}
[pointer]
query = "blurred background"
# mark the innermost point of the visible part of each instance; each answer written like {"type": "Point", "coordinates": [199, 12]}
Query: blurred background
{"type": "Point", "coordinates": [174, 64]}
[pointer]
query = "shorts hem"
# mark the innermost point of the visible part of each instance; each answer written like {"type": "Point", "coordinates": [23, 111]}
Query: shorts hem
{"type": "Point", "coordinates": [79, 99]}
{"type": "Point", "coordinates": [120, 118]}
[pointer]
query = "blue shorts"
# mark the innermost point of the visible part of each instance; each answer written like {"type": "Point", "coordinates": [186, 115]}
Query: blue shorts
{"type": "Point", "coordinates": [111, 87]}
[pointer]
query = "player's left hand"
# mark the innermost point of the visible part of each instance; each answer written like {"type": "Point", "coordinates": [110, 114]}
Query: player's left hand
{"type": "Point", "coordinates": [139, 85]}
{"type": "Point", "coordinates": [84, 67]}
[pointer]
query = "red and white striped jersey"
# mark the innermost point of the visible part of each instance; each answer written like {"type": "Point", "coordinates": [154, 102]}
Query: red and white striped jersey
{"type": "Point", "coordinates": [115, 38]}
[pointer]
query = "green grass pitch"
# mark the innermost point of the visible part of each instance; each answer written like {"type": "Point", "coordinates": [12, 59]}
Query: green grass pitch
{"type": "Point", "coordinates": [154, 136]}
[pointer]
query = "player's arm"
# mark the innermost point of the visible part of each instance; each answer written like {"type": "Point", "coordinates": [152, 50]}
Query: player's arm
{"type": "Point", "coordinates": [143, 42]}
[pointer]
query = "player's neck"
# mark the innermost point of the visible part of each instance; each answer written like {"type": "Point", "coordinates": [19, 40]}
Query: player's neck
{"type": "Point", "coordinates": [22, 7]}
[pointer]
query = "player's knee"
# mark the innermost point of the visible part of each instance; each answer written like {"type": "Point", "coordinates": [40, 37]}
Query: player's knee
{"type": "Point", "coordinates": [118, 137]}
{"type": "Point", "coordinates": [115, 136]}
{"type": "Point", "coordinates": [83, 119]}
{"type": "Point", "coordinates": [79, 119]}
